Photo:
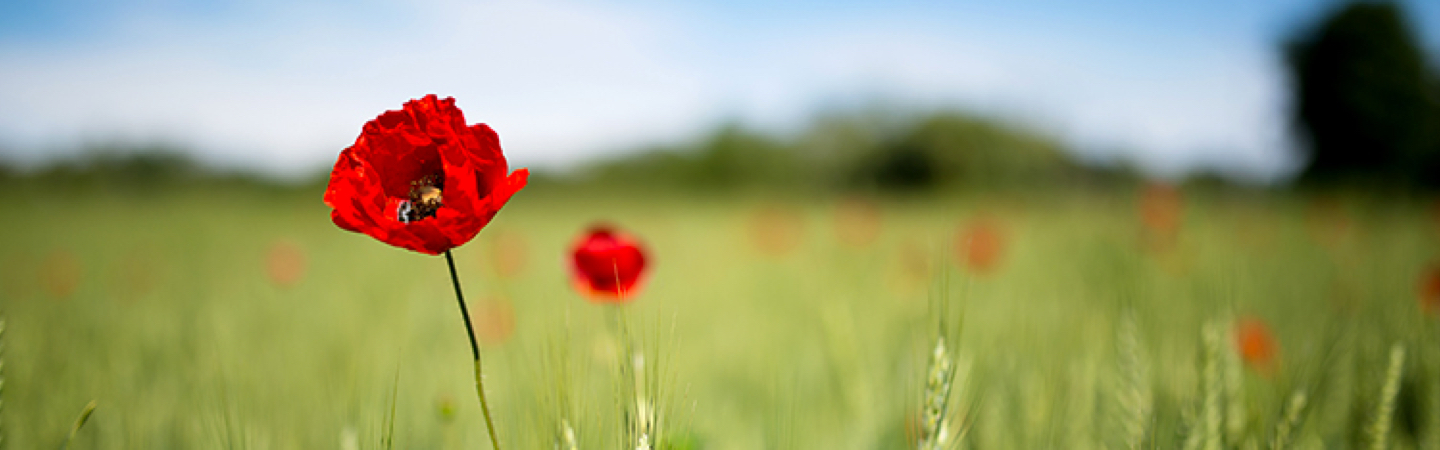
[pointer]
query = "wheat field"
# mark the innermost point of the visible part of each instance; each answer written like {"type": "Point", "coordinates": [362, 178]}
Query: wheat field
{"type": "Point", "coordinates": [242, 318]}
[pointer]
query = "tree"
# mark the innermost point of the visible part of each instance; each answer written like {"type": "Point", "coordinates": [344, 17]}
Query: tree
{"type": "Point", "coordinates": [1364, 99]}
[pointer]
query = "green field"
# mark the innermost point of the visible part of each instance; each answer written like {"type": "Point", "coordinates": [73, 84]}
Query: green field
{"type": "Point", "coordinates": [162, 308]}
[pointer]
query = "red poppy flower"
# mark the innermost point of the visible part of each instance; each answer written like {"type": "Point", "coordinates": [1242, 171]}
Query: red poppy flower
{"type": "Point", "coordinates": [420, 179]}
{"type": "Point", "coordinates": [1430, 290]}
{"type": "Point", "coordinates": [981, 244]}
{"type": "Point", "coordinates": [1161, 210]}
{"type": "Point", "coordinates": [494, 321]}
{"type": "Point", "coordinates": [61, 274]}
{"type": "Point", "coordinates": [285, 263]}
{"type": "Point", "coordinates": [508, 252]}
{"type": "Point", "coordinates": [1256, 345]}
{"type": "Point", "coordinates": [857, 222]}
{"type": "Point", "coordinates": [606, 265]}
{"type": "Point", "coordinates": [776, 230]}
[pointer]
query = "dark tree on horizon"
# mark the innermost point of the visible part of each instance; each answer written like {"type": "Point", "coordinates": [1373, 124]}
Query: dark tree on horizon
{"type": "Point", "coordinates": [1365, 100]}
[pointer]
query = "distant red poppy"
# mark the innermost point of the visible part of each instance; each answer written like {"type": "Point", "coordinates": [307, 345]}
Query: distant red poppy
{"type": "Point", "coordinates": [494, 321]}
{"type": "Point", "coordinates": [285, 263]}
{"type": "Point", "coordinates": [136, 273]}
{"type": "Point", "coordinates": [980, 244]}
{"type": "Point", "coordinates": [776, 230]}
{"type": "Point", "coordinates": [857, 221]}
{"type": "Point", "coordinates": [1330, 224]}
{"type": "Point", "coordinates": [508, 252]}
{"type": "Point", "coordinates": [1430, 290]}
{"type": "Point", "coordinates": [1256, 345]}
{"type": "Point", "coordinates": [61, 274]}
{"type": "Point", "coordinates": [389, 184]}
{"type": "Point", "coordinates": [1161, 209]}
{"type": "Point", "coordinates": [914, 260]}
{"type": "Point", "coordinates": [606, 265]}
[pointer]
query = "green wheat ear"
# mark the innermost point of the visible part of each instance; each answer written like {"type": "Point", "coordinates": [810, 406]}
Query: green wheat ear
{"type": "Point", "coordinates": [79, 423]}
{"type": "Point", "coordinates": [567, 436]}
{"type": "Point", "coordinates": [935, 426]}
{"type": "Point", "coordinates": [1206, 432]}
{"type": "Point", "coordinates": [1134, 392]}
{"type": "Point", "coordinates": [1233, 385]}
{"type": "Point", "coordinates": [1289, 421]}
{"type": "Point", "coordinates": [1379, 430]}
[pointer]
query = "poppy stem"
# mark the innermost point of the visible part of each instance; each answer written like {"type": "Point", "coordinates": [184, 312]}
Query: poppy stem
{"type": "Point", "coordinates": [474, 351]}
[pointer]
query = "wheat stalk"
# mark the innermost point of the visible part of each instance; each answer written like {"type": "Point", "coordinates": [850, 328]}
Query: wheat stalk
{"type": "Point", "coordinates": [1211, 414]}
{"type": "Point", "coordinates": [1234, 376]}
{"type": "Point", "coordinates": [1380, 429]}
{"type": "Point", "coordinates": [639, 412]}
{"type": "Point", "coordinates": [1135, 401]}
{"type": "Point", "coordinates": [935, 430]}
{"type": "Point", "coordinates": [1290, 421]}
{"type": "Point", "coordinates": [643, 426]}
{"type": "Point", "coordinates": [567, 436]}
{"type": "Point", "coordinates": [349, 438]}
{"type": "Point", "coordinates": [79, 423]}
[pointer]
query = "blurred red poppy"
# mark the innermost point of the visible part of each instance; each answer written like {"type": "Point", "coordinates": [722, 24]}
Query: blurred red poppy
{"type": "Point", "coordinates": [420, 179]}
{"type": "Point", "coordinates": [1430, 290]}
{"type": "Point", "coordinates": [858, 222]}
{"type": "Point", "coordinates": [981, 244]}
{"type": "Point", "coordinates": [776, 230]}
{"type": "Point", "coordinates": [285, 263]}
{"type": "Point", "coordinates": [137, 273]}
{"type": "Point", "coordinates": [1256, 345]}
{"type": "Point", "coordinates": [1330, 224]}
{"type": "Point", "coordinates": [494, 321]}
{"type": "Point", "coordinates": [1161, 210]}
{"type": "Point", "coordinates": [606, 265]}
{"type": "Point", "coordinates": [61, 274]}
{"type": "Point", "coordinates": [509, 252]}
{"type": "Point", "coordinates": [914, 260]}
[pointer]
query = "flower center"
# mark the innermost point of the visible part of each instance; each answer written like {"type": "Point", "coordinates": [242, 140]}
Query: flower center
{"type": "Point", "coordinates": [425, 199]}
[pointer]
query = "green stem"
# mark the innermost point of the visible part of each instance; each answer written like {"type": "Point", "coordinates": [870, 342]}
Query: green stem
{"type": "Point", "coordinates": [474, 351]}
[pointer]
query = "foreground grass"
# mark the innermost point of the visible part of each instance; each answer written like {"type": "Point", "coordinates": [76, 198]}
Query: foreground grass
{"type": "Point", "coordinates": [165, 311]}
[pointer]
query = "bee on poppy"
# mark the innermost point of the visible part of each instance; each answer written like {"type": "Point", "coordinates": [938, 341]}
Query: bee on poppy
{"type": "Point", "coordinates": [424, 199]}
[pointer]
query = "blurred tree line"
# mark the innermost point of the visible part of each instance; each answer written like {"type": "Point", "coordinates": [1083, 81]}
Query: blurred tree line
{"type": "Point", "coordinates": [120, 168]}
{"type": "Point", "coordinates": [1366, 99]}
{"type": "Point", "coordinates": [861, 151]}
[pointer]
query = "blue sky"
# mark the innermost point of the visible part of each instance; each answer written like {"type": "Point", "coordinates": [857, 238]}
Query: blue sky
{"type": "Point", "coordinates": [282, 86]}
